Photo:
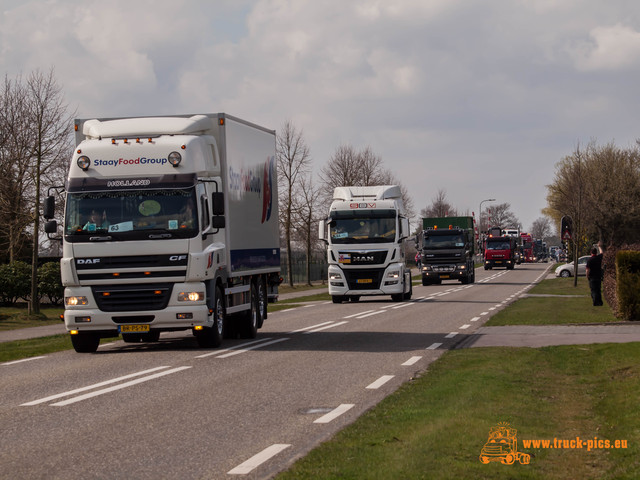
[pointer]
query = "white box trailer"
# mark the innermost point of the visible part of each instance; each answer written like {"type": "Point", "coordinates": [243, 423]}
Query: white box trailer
{"type": "Point", "coordinates": [171, 223]}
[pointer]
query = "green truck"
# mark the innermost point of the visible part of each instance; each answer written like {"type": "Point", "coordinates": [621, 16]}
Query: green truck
{"type": "Point", "coordinates": [447, 246]}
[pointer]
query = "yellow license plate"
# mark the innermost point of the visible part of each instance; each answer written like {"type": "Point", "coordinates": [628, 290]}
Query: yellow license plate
{"type": "Point", "coordinates": [365, 280]}
{"type": "Point", "coordinates": [444, 276]}
{"type": "Point", "coordinates": [134, 328]}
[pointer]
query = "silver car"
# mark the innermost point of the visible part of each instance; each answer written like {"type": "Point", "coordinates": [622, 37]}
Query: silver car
{"type": "Point", "coordinates": [566, 270]}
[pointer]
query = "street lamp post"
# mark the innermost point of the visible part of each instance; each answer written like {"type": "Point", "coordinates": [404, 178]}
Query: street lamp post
{"type": "Point", "coordinates": [480, 212]}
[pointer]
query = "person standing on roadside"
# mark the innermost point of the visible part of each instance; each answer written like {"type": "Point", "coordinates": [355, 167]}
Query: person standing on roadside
{"type": "Point", "coordinates": [595, 274]}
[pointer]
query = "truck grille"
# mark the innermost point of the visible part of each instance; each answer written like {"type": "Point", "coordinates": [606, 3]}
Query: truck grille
{"type": "Point", "coordinates": [364, 279]}
{"type": "Point", "coordinates": [124, 298]}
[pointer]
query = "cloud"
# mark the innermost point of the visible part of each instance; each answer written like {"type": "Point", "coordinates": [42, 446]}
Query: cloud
{"type": "Point", "coordinates": [611, 48]}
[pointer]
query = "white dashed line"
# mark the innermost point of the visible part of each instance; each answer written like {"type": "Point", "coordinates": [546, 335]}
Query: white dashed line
{"type": "Point", "coordinates": [258, 459]}
{"type": "Point", "coordinates": [335, 413]}
{"type": "Point", "coordinates": [378, 383]}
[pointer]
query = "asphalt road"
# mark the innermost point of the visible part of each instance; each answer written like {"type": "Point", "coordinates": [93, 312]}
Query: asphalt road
{"type": "Point", "coordinates": [248, 410]}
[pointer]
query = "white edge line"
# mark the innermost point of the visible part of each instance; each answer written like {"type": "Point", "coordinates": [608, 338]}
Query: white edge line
{"type": "Point", "coordinates": [309, 328]}
{"type": "Point", "coordinates": [336, 412]}
{"type": "Point", "coordinates": [90, 387]}
{"type": "Point", "coordinates": [117, 387]}
{"type": "Point", "coordinates": [25, 360]}
{"type": "Point", "coordinates": [451, 335]}
{"type": "Point", "coordinates": [433, 346]}
{"type": "Point", "coordinates": [258, 459]}
{"type": "Point", "coordinates": [324, 328]}
{"type": "Point", "coordinates": [260, 345]}
{"type": "Point", "coordinates": [380, 382]}
{"type": "Point", "coordinates": [361, 313]}
{"type": "Point", "coordinates": [370, 314]}
{"type": "Point", "coordinates": [218, 352]}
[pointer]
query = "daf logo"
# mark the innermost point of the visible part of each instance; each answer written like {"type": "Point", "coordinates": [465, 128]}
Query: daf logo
{"type": "Point", "coordinates": [363, 258]}
{"type": "Point", "coordinates": [87, 261]}
{"type": "Point", "coordinates": [177, 258]}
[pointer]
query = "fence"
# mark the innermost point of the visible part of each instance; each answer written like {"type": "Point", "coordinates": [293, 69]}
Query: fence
{"type": "Point", "coordinates": [318, 266]}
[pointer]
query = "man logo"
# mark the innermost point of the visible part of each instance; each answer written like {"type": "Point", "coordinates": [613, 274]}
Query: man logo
{"type": "Point", "coordinates": [87, 261]}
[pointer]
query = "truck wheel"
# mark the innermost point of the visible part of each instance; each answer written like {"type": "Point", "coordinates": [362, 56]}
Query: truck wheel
{"type": "Point", "coordinates": [211, 337]}
{"type": "Point", "coordinates": [397, 297]}
{"type": "Point", "coordinates": [249, 319]}
{"type": "Point", "coordinates": [424, 282]}
{"type": "Point", "coordinates": [337, 298]}
{"type": "Point", "coordinates": [85, 342]}
{"type": "Point", "coordinates": [407, 296]}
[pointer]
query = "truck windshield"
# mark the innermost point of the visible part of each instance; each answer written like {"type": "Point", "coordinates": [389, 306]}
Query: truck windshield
{"type": "Point", "coordinates": [435, 242]}
{"type": "Point", "coordinates": [130, 215]}
{"type": "Point", "coordinates": [497, 245]}
{"type": "Point", "coordinates": [363, 226]}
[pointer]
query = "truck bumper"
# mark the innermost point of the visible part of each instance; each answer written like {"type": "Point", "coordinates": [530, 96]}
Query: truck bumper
{"type": "Point", "coordinates": [498, 263]}
{"type": "Point", "coordinates": [356, 282]}
{"type": "Point", "coordinates": [437, 273]}
{"type": "Point", "coordinates": [177, 315]}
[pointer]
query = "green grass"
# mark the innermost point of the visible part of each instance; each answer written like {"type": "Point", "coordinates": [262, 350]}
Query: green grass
{"type": "Point", "coordinates": [435, 426]}
{"type": "Point", "coordinates": [18, 317]}
{"type": "Point", "coordinates": [561, 307]}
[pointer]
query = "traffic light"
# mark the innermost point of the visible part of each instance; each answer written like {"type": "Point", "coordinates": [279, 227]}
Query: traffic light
{"type": "Point", "coordinates": [566, 228]}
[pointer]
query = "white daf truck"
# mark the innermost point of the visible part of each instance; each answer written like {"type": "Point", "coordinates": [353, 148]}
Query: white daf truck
{"type": "Point", "coordinates": [365, 234]}
{"type": "Point", "coordinates": [170, 223]}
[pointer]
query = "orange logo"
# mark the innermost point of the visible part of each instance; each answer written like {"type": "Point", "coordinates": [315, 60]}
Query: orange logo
{"type": "Point", "coordinates": [502, 446]}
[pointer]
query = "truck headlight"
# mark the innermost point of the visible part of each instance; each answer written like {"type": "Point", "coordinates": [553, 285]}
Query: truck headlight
{"type": "Point", "coordinates": [75, 300]}
{"type": "Point", "coordinates": [190, 296]}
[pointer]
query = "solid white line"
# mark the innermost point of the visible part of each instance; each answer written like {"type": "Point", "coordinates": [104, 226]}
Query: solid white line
{"type": "Point", "coordinates": [335, 413]}
{"type": "Point", "coordinates": [324, 328]}
{"type": "Point", "coordinates": [309, 328]}
{"type": "Point", "coordinates": [411, 361]}
{"type": "Point", "coordinates": [361, 313]}
{"type": "Point", "coordinates": [218, 352]}
{"type": "Point", "coordinates": [465, 326]}
{"type": "Point", "coordinates": [433, 346]}
{"type": "Point", "coordinates": [381, 381]}
{"type": "Point", "coordinates": [117, 387]}
{"type": "Point", "coordinates": [24, 360]}
{"type": "Point", "coordinates": [451, 335]}
{"type": "Point", "coordinates": [90, 387]}
{"type": "Point", "coordinates": [370, 314]}
{"type": "Point", "coordinates": [408, 304]}
{"type": "Point", "coordinates": [258, 459]}
{"type": "Point", "coordinates": [475, 319]}
{"type": "Point", "coordinates": [244, 350]}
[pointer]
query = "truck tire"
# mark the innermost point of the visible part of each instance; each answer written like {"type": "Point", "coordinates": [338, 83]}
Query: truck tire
{"type": "Point", "coordinates": [85, 342]}
{"type": "Point", "coordinates": [337, 298]}
{"type": "Point", "coordinates": [407, 295]}
{"type": "Point", "coordinates": [211, 337]}
{"type": "Point", "coordinates": [249, 319]}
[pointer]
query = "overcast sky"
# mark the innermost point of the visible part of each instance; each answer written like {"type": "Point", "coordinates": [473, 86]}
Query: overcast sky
{"type": "Point", "coordinates": [477, 98]}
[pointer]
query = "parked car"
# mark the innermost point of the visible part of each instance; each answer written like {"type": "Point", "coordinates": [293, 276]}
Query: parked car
{"type": "Point", "coordinates": [566, 270]}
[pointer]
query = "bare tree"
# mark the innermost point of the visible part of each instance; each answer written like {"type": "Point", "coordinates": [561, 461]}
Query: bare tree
{"type": "Point", "coordinates": [294, 162]}
{"type": "Point", "coordinates": [348, 167]}
{"type": "Point", "coordinates": [541, 228]}
{"type": "Point", "coordinates": [37, 133]}
{"type": "Point", "coordinates": [440, 207]}
{"type": "Point", "coordinates": [306, 201]}
{"type": "Point", "coordinates": [498, 216]}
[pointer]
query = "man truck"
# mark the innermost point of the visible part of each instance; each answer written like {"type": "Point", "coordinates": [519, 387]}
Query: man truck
{"type": "Point", "coordinates": [447, 246]}
{"type": "Point", "coordinates": [170, 223]}
{"type": "Point", "coordinates": [364, 234]}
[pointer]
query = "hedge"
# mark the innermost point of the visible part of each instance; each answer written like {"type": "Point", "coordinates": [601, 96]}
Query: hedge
{"type": "Point", "coordinates": [15, 282]}
{"type": "Point", "coordinates": [628, 284]}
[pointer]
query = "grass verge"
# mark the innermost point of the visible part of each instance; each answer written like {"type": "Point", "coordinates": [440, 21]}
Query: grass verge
{"type": "Point", "coordinates": [435, 426]}
{"type": "Point", "coordinates": [565, 304]}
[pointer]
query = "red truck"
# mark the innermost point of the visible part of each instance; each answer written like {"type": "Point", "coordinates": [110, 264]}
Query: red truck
{"type": "Point", "coordinates": [527, 247]}
{"type": "Point", "coordinates": [500, 252]}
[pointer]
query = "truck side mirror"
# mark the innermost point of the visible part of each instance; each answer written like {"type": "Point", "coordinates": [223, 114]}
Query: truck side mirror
{"type": "Point", "coordinates": [51, 226]}
{"type": "Point", "coordinates": [321, 231]}
{"type": "Point", "coordinates": [49, 208]}
{"type": "Point", "coordinates": [404, 228]}
{"type": "Point", "coordinates": [217, 221]}
{"type": "Point", "coordinates": [217, 203]}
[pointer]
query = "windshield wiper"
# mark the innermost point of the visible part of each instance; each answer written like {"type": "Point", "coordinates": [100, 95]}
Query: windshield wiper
{"type": "Point", "coordinates": [104, 238]}
{"type": "Point", "coordinates": [155, 236]}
